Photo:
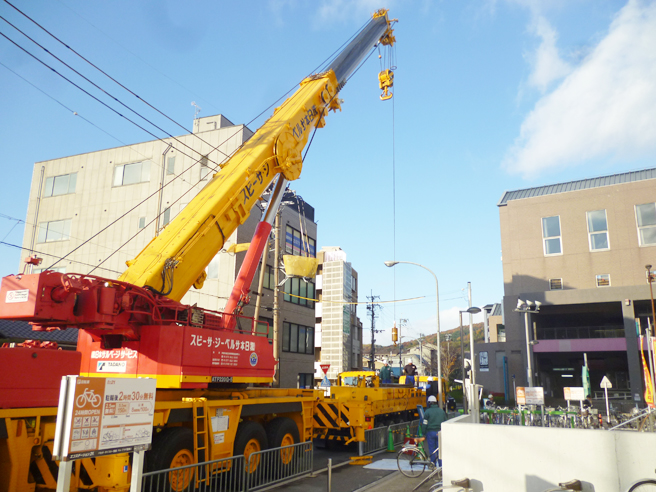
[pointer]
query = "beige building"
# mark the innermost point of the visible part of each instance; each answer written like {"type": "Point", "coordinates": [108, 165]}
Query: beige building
{"type": "Point", "coordinates": [338, 328]}
{"type": "Point", "coordinates": [580, 249]}
{"type": "Point", "coordinates": [98, 210]}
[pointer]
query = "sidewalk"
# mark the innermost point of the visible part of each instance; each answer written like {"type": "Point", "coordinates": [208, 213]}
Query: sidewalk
{"type": "Point", "coordinates": [396, 482]}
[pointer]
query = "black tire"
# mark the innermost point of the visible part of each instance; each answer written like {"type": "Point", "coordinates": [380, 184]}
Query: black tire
{"type": "Point", "coordinates": [172, 448]}
{"type": "Point", "coordinates": [405, 461]}
{"type": "Point", "coordinates": [644, 486]}
{"type": "Point", "coordinates": [250, 437]}
{"type": "Point", "coordinates": [282, 431]}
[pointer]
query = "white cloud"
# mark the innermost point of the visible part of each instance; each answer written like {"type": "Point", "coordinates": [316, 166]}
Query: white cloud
{"type": "Point", "coordinates": [547, 64]}
{"type": "Point", "coordinates": [605, 107]}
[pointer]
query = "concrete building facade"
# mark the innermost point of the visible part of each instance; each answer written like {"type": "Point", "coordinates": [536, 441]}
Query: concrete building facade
{"type": "Point", "coordinates": [100, 209]}
{"type": "Point", "coordinates": [339, 330]}
{"type": "Point", "coordinates": [580, 249]}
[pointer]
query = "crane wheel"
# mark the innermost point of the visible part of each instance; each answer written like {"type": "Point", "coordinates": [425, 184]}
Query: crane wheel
{"type": "Point", "coordinates": [172, 448]}
{"type": "Point", "coordinates": [283, 431]}
{"type": "Point", "coordinates": [250, 439]}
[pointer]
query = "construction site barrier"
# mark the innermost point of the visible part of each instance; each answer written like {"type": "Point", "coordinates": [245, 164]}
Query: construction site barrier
{"type": "Point", "coordinates": [236, 474]}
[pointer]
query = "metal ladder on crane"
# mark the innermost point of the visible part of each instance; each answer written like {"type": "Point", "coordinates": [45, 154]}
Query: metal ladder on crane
{"type": "Point", "coordinates": [201, 437]}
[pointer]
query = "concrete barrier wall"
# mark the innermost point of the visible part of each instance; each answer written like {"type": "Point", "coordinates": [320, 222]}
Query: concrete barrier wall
{"type": "Point", "coordinates": [503, 458]}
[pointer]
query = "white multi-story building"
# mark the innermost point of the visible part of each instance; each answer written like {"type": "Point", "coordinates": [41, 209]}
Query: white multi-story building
{"type": "Point", "coordinates": [338, 329]}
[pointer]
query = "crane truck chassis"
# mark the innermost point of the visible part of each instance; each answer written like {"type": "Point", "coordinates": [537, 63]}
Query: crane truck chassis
{"type": "Point", "coordinates": [203, 361]}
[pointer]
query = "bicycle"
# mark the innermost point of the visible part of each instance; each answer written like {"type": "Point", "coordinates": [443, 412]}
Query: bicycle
{"type": "Point", "coordinates": [412, 460]}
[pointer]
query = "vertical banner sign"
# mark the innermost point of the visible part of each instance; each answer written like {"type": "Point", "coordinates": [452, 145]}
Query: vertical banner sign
{"type": "Point", "coordinates": [649, 396]}
{"type": "Point", "coordinates": [104, 416]}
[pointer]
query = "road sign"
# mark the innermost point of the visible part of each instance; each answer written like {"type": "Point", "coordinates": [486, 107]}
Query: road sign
{"type": "Point", "coordinates": [530, 395]}
{"type": "Point", "coordinates": [576, 393]}
{"type": "Point", "coordinates": [325, 383]}
{"type": "Point", "coordinates": [104, 416]}
{"type": "Point", "coordinates": [324, 368]}
{"type": "Point", "coordinates": [605, 383]}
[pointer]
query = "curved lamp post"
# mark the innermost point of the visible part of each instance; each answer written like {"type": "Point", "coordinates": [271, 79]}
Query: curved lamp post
{"type": "Point", "coordinates": [437, 302]}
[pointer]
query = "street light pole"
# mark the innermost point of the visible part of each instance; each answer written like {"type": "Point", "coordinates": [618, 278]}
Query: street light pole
{"type": "Point", "coordinates": [526, 308]}
{"type": "Point", "coordinates": [437, 304]}
{"type": "Point", "coordinates": [471, 310]}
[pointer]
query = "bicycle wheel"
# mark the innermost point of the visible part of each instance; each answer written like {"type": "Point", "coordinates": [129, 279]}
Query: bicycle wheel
{"type": "Point", "coordinates": [406, 463]}
{"type": "Point", "coordinates": [644, 486]}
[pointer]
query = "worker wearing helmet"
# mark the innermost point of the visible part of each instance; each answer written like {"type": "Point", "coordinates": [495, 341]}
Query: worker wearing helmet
{"type": "Point", "coordinates": [432, 424]}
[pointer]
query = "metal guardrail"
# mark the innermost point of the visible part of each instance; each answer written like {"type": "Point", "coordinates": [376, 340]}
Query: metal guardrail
{"type": "Point", "coordinates": [278, 464]}
{"type": "Point", "coordinates": [236, 474]}
{"type": "Point", "coordinates": [570, 419]}
{"type": "Point", "coordinates": [212, 476]}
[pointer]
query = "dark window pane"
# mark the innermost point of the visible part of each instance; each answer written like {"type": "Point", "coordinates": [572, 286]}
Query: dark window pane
{"type": "Point", "coordinates": [293, 338]}
{"type": "Point", "coordinates": [285, 336]}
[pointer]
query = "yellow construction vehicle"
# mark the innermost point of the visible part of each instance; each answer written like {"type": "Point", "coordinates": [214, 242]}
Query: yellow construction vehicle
{"type": "Point", "coordinates": [360, 402]}
{"type": "Point", "coordinates": [139, 322]}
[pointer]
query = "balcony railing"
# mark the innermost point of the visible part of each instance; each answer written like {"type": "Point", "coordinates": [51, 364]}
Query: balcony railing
{"type": "Point", "coordinates": [574, 332]}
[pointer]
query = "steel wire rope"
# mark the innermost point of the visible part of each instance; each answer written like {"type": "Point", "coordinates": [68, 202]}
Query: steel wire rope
{"type": "Point", "coordinates": [113, 97]}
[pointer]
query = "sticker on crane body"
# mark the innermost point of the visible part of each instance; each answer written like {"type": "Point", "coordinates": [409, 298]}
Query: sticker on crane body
{"type": "Point", "coordinates": [223, 350]}
{"type": "Point", "coordinates": [17, 296]}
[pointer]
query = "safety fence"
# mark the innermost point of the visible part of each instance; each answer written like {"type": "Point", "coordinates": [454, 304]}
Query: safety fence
{"type": "Point", "coordinates": [571, 419]}
{"type": "Point", "coordinates": [379, 437]}
{"type": "Point", "coordinates": [236, 474]}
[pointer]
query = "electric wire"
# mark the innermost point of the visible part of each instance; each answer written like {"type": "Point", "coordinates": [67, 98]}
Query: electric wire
{"type": "Point", "coordinates": [54, 256]}
{"type": "Point", "coordinates": [106, 75]}
{"type": "Point", "coordinates": [32, 224]}
{"type": "Point", "coordinates": [106, 93]}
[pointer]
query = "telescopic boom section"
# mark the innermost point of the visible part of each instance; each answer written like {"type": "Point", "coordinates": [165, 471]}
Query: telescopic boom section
{"type": "Point", "coordinates": [176, 259]}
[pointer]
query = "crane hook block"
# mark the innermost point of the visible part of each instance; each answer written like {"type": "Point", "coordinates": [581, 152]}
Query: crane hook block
{"type": "Point", "coordinates": [386, 81]}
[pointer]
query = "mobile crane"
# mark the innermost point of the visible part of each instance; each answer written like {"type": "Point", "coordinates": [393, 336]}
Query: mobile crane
{"type": "Point", "coordinates": [202, 360]}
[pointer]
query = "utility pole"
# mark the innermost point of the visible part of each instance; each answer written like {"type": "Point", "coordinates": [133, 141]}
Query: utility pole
{"type": "Point", "coordinates": [402, 322]}
{"type": "Point", "coordinates": [371, 307]}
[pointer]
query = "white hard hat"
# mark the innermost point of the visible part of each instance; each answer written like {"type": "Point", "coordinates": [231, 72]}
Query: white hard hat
{"type": "Point", "coordinates": [432, 399]}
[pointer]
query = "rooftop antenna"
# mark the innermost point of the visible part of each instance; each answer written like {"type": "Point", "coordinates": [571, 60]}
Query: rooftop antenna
{"type": "Point", "coordinates": [197, 111]}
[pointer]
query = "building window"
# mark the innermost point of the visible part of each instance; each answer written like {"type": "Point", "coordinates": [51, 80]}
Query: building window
{"type": "Point", "coordinates": [556, 284]}
{"type": "Point", "coordinates": [646, 217]}
{"type": "Point", "coordinates": [298, 291]}
{"type": "Point", "coordinates": [598, 230]}
{"type": "Point", "coordinates": [170, 165]}
{"type": "Point", "coordinates": [603, 280]}
{"type": "Point", "coordinates": [297, 338]}
{"type": "Point", "coordinates": [142, 222]}
{"type": "Point", "coordinates": [60, 185]}
{"type": "Point", "coordinates": [166, 216]}
{"type": "Point", "coordinates": [306, 380]}
{"type": "Point", "coordinates": [295, 246]}
{"type": "Point", "coordinates": [56, 230]}
{"type": "Point", "coordinates": [136, 172]}
{"type": "Point", "coordinates": [265, 326]}
{"type": "Point", "coordinates": [204, 168]}
{"type": "Point", "coordinates": [269, 279]}
{"type": "Point", "coordinates": [551, 235]}
{"type": "Point", "coordinates": [213, 267]}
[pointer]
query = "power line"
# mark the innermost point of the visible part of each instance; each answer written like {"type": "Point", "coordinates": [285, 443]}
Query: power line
{"type": "Point", "coordinates": [55, 256]}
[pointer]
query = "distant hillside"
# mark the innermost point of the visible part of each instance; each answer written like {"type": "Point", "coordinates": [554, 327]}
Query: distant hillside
{"type": "Point", "coordinates": [454, 334]}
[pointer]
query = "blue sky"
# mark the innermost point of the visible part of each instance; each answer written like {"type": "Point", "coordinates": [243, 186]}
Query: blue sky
{"type": "Point", "coordinates": [489, 96]}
